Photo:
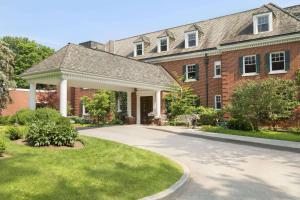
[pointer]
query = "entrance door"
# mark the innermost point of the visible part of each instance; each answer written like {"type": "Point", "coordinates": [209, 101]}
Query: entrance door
{"type": "Point", "coordinates": [146, 107]}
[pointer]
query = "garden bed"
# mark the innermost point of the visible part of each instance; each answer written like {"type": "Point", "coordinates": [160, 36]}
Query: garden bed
{"type": "Point", "coordinates": [259, 134]}
{"type": "Point", "coordinates": [101, 170]}
{"type": "Point", "coordinates": [77, 145]}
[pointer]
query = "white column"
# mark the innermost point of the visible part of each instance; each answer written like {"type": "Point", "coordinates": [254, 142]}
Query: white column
{"type": "Point", "coordinates": [138, 109]}
{"type": "Point", "coordinates": [32, 96]}
{"type": "Point", "coordinates": [63, 98]}
{"type": "Point", "coordinates": [157, 105]}
{"type": "Point", "coordinates": [129, 104]}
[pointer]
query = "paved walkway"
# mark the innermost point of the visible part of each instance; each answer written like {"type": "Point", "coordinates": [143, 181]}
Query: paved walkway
{"type": "Point", "coordinates": [219, 170]}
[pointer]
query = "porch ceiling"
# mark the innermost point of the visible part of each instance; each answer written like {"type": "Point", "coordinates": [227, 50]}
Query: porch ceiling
{"type": "Point", "coordinates": [84, 67]}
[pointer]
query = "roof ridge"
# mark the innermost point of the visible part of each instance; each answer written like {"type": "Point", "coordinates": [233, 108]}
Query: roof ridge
{"type": "Point", "coordinates": [214, 18]}
{"type": "Point", "coordinates": [116, 55]}
{"type": "Point", "coordinates": [285, 11]}
{"type": "Point", "coordinates": [292, 6]}
{"type": "Point", "coordinates": [65, 53]}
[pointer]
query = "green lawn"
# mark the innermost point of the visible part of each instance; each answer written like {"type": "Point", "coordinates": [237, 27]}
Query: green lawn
{"type": "Point", "coordinates": [102, 170]}
{"type": "Point", "coordinates": [260, 134]}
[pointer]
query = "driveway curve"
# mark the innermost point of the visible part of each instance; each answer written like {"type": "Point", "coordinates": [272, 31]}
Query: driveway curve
{"type": "Point", "coordinates": [219, 170]}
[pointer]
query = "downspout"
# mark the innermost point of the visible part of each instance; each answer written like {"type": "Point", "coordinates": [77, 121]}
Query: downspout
{"type": "Point", "coordinates": [206, 61]}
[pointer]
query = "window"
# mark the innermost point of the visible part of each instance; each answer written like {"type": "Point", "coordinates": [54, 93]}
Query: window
{"type": "Point", "coordinates": [262, 23]}
{"type": "Point", "coordinates": [119, 104]}
{"type": "Point", "coordinates": [217, 73]}
{"type": "Point", "coordinates": [85, 111]}
{"type": "Point", "coordinates": [191, 39]}
{"type": "Point", "coordinates": [218, 102]}
{"type": "Point", "coordinates": [163, 44]}
{"type": "Point", "coordinates": [249, 65]}
{"type": "Point", "coordinates": [190, 72]}
{"type": "Point", "coordinates": [277, 61]}
{"type": "Point", "coordinates": [139, 49]}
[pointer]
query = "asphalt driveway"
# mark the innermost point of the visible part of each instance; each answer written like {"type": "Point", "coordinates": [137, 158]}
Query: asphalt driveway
{"type": "Point", "coordinates": [219, 170]}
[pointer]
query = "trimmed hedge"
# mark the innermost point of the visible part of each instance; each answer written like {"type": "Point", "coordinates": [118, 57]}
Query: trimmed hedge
{"type": "Point", "coordinates": [4, 120]}
{"type": "Point", "coordinates": [239, 124]}
{"type": "Point", "coordinates": [209, 116]}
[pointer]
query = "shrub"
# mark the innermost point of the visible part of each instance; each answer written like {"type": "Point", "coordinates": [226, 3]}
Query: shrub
{"type": "Point", "coordinates": [80, 120]}
{"type": "Point", "coordinates": [47, 132]}
{"type": "Point", "coordinates": [2, 147]}
{"type": "Point", "coordinates": [4, 120]}
{"type": "Point", "coordinates": [48, 114]}
{"type": "Point", "coordinates": [116, 122]}
{"type": "Point", "coordinates": [63, 135]}
{"type": "Point", "coordinates": [209, 116]}
{"type": "Point", "coordinates": [239, 124]}
{"type": "Point", "coordinates": [23, 117]}
{"type": "Point", "coordinates": [15, 133]}
{"type": "Point", "coordinates": [270, 100]}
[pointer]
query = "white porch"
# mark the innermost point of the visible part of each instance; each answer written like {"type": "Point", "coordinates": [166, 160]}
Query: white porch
{"type": "Point", "coordinates": [80, 67]}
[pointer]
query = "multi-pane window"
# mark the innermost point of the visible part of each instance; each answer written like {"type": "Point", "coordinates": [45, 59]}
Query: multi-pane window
{"type": "Point", "coordinates": [218, 102]}
{"type": "Point", "coordinates": [139, 49]}
{"type": "Point", "coordinates": [119, 104]}
{"type": "Point", "coordinates": [217, 69]}
{"type": "Point", "coordinates": [249, 64]}
{"type": "Point", "coordinates": [277, 61]}
{"type": "Point", "coordinates": [164, 44]}
{"type": "Point", "coordinates": [192, 39]}
{"type": "Point", "coordinates": [263, 23]}
{"type": "Point", "coordinates": [190, 72]}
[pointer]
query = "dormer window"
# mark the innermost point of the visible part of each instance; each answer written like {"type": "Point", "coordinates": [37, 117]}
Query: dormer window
{"type": "Point", "coordinates": [191, 39]}
{"type": "Point", "coordinates": [163, 44]}
{"type": "Point", "coordinates": [139, 49]}
{"type": "Point", "coordinates": [262, 23]}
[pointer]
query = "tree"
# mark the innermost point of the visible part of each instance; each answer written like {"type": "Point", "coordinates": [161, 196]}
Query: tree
{"type": "Point", "coordinates": [270, 100]}
{"type": "Point", "coordinates": [98, 106]}
{"type": "Point", "coordinates": [181, 100]}
{"type": "Point", "coordinates": [6, 73]}
{"type": "Point", "coordinates": [27, 54]}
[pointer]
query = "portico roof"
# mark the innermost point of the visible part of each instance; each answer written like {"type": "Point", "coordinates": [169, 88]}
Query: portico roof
{"type": "Point", "coordinates": [81, 61]}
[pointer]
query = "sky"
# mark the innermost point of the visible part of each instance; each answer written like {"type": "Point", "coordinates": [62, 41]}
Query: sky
{"type": "Point", "coordinates": [56, 22]}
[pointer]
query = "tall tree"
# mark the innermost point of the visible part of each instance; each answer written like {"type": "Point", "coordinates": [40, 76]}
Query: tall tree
{"type": "Point", "coordinates": [6, 73]}
{"type": "Point", "coordinates": [27, 54]}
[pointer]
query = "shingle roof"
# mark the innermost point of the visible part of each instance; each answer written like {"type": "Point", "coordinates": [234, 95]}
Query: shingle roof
{"type": "Point", "coordinates": [95, 62]}
{"type": "Point", "coordinates": [295, 10]}
{"type": "Point", "coordinates": [232, 28]}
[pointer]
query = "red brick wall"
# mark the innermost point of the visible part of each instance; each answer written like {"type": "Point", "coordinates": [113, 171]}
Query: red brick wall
{"type": "Point", "coordinates": [230, 70]}
{"type": "Point", "coordinates": [75, 96]}
{"type": "Point", "coordinates": [20, 100]}
{"type": "Point", "coordinates": [175, 68]}
{"type": "Point", "coordinates": [230, 66]}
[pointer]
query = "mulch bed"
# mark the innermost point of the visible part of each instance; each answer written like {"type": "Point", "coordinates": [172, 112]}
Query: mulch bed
{"type": "Point", "coordinates": [77, 145]}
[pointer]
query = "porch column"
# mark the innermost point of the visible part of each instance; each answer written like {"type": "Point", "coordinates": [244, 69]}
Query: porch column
{"type": "Point", "coordinates": [63, 97]}
{"type": "Point", "coordinates": [32, 96]}
{"type": "Point", "coordinates": [158, 105]}
{"type": "Point", "coordinates": [129, 104]}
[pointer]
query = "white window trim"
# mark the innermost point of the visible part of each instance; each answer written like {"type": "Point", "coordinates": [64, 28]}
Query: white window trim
{"type": "Point", "coordinates": [215, 69]}
{"type": "Point", "coordinates": [252, 73]}
{"type": "Point", "coordinates": [271, 64]}
{"type": "Point", "coordinates": [187, 39]}
{"type": "Point", "coordinates": [216, 102]}
{"type": "Point", "coordinates": [186, 74]}
{"type": "Point", "coordinates": [255, 22]}
{"type": "Point", "coordinates": [119, 109]}
{"type": "Point", "coordinates": [135, 48]}
{"type": "Point", "coordinates": [158, 44]}
{"type": "Point", "coordinates": [84, 113]}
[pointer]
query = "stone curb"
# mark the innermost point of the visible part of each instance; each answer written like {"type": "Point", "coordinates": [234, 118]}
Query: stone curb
{"type": "Point", "coordinates": [174, 188]}
{"type": "Point", "coordinates": [281, 145]}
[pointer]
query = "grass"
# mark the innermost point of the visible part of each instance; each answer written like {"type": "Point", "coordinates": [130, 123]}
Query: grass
{"type": "Point", "coordinates": [102, 170]}
{"type": "Point", "coordinates": [259, 134]}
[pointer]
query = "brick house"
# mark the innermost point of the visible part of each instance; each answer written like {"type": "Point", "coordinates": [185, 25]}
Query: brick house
{"type": "Point", "coordinates": [213, 56]}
